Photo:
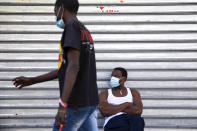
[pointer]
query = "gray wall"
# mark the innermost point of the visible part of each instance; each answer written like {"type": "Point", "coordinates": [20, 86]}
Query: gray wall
{"type": "Point", "coordinates": [155, 40]}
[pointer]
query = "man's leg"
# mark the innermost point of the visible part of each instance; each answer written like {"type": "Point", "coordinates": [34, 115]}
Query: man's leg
{"type": "Point", "coordinates": [118, 123]}
{"type": "Point", "coordinates": [74, 118]}
{"type": "Point", "coordinates": [90, 124]}
{"type": "Point", "coordinates": [136, 122]}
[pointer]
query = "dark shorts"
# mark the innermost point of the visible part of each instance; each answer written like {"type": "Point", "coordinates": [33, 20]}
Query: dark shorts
{"type": "Point", "coordinates": [125, 122]}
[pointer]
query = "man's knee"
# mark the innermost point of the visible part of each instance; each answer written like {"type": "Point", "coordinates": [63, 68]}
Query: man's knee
{"type": "Point", "coordinates": [136, 119]}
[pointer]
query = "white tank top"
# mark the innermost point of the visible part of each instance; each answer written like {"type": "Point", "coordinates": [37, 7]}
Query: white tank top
{"type": "Point", "coordinates": [111, 99]}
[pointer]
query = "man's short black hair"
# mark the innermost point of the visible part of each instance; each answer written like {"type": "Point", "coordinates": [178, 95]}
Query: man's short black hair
{"type": "Point", "coordinates": [71, 5]}
{"type": "Point", "coordinates": [122, 70]}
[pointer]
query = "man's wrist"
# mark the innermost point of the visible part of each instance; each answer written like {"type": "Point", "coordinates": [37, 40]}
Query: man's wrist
{"type": "Point", "coordinates": [62, 104]}
{"type": "Point", "coordinates": [61, 107]}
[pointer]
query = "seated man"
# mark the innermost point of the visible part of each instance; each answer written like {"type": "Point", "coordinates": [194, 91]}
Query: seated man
{"type": "Point", "coordinates": [122, 107]}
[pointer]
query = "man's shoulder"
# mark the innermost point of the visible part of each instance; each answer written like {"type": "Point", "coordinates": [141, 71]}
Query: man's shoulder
{"type": "Point", "coordinates": [104, 93]}
{"type": "Point", "coordinates": [74, 23]}
{"type": "Point", "coordinates": [134, 91]}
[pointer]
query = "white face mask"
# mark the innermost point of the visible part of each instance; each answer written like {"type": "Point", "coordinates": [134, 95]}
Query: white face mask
{"type": "Point", "coordinates": [114, 82]}
{"type": "Point", "coordinates": [60, 23]}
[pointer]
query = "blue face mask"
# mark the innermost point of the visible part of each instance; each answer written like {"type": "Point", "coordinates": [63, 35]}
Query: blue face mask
{"type": "Point", "coordinates": [114, 82]}
{"type": "Point", "coordinates": [60, 23]}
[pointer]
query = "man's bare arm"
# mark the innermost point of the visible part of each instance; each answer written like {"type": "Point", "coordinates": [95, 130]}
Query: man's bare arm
{"type": "Point", "coordinates": [136, 107]}
{"type": "Point", "coordinates": [107, 109]}
{"type": "Point", "coordinates": [22, 81]}
{"type": "Point", "coordinates": [73, 56]}
{"type": "Point", "coordinates": [45, 77]}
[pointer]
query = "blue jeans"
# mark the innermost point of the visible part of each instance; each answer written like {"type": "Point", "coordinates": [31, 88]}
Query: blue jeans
{"type": "Point", "coordinates": [80, 119]}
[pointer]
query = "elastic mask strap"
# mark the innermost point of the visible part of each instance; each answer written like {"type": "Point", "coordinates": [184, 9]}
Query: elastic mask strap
{"type": "Point", "coordinates": [59, 12]}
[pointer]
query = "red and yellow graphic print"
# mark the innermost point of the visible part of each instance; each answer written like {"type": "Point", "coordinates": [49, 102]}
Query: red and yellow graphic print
{"type": "Point", "coordinates": [60, 57]}
{"type": "Point", "coordinates": [85, 36]}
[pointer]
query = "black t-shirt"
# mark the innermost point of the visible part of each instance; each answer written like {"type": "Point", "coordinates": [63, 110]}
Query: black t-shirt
{"type": "Point", "coordinates": [85, 91]}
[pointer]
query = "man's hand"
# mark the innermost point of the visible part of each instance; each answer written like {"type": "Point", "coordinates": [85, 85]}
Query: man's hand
{"type": "Point", "coordinates": [60, 117]}
{"type": "Point", "coordinates": [22, 81]}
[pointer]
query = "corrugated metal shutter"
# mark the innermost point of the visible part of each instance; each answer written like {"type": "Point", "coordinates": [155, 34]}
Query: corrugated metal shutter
{"type": "Point", "coordinates": [156, 40]}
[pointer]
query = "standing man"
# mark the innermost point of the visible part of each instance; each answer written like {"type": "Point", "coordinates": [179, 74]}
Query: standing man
{"type": "Point", "coordinates": [76, 72]}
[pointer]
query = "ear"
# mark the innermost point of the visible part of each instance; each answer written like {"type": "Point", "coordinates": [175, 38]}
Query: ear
{"type": "Point", "coordinates": [122, 80]}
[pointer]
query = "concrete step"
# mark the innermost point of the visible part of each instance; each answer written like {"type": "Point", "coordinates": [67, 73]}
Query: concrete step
{"type": "Point", "coordinates": [106, 75]}
{"type": "Point", "coordinates": [48, 122]}
{"type": "Point", "coordinates": [33, 129]}
{"type": "Point", "coordinates": [144, 28]}
{"type": "Point", "coordinates": [100, 129]}
{"type": "Point", "coordinates": [159, 94]}
{"type": "Point", "coordinates": [127, 47]}
{"type": "Point", "coordinates": [147, 113]}
{"type": "Point", "coordinates": [93, 9]}
{"type": "Point", "coordinates": [102, 19]}
{"type": "Point", "coordinates": [154, 124]}
{"type": "Point", "coordinates": [101, 66]}
{"type": "Point", "coordinates": [55, 87]}
{"type": "Point", "coordinates": [54, 103]}
{"type": "Point", "coordinates": [101, 37]}
{"type": "Point", "coordinates": [157, 57]}
{"type": "Point", "coordinates": [179, 85]}
{"type": "Point", "coordinates": [105, 2]}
